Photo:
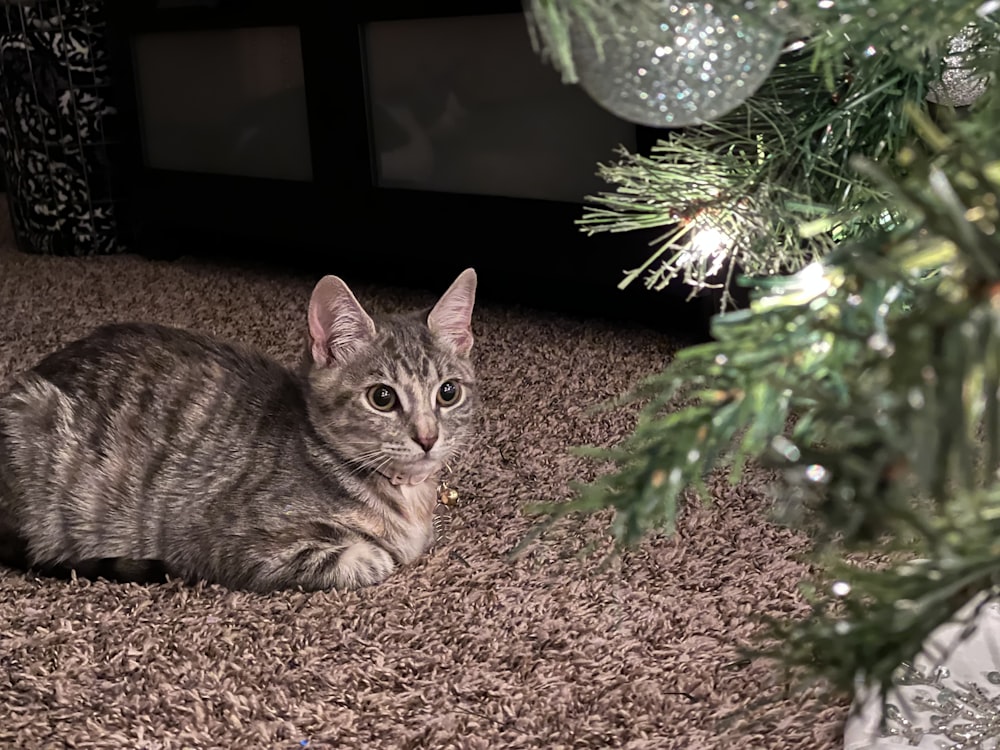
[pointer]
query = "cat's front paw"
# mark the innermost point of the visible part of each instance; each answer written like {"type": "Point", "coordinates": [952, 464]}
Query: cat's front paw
{"type": "Point", "coordinates": [362, 564]}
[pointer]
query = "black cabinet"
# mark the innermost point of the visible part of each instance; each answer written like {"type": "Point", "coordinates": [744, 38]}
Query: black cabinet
{"type": "Point", "coordinates": [393, 142]}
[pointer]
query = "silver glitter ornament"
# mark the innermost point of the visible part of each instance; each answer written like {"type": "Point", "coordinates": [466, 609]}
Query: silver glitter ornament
{"type": "Point", "coordinates": [960, 84]}
{"type": "Point", "coordinates": [696, 64]}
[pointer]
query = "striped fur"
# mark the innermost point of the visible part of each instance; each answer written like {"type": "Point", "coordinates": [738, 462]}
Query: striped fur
{"type": "Point", "coordinates": [144, 446]}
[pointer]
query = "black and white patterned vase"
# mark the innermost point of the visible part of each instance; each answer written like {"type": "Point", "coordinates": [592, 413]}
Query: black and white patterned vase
{"type": "Point", "coordinates": [55, 126]}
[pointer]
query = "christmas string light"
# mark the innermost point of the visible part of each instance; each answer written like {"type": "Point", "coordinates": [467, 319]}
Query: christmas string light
{"type": "Point", "coordinates": [709, 246]}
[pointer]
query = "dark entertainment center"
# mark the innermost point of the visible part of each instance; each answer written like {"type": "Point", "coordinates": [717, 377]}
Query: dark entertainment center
{"type": "Point", "coordinates": [393, 142]}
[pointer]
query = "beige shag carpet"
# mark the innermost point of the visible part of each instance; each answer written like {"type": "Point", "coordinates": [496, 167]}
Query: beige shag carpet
{"type": "Point", "coordinates": [463, 650]}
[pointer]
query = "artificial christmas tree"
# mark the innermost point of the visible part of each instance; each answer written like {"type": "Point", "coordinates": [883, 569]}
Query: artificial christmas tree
{"type": "Point", "coordinates": [857, 187]}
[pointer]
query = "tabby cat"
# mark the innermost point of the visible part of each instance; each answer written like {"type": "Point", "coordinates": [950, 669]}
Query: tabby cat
{"type": "Point", "coordinates": [147, 443]}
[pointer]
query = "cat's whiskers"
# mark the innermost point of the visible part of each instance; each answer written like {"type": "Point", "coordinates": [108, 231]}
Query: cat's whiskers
{"type": "Point", "coordinates": [367, 464]}
{"type": "Point", "coordinates": [368, 455]}
{"type": "Point", "coordinates": [374, 460]}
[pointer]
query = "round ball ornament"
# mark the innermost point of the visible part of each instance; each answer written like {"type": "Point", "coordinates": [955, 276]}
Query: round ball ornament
{"type": "Point", "coordinates": [960, 85]}
{"type": "Point", "coordinates": [682, 63]}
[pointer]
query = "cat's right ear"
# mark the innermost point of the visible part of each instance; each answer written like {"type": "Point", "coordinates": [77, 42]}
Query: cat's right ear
{"type": "Point", "coordinates": [338, 325]}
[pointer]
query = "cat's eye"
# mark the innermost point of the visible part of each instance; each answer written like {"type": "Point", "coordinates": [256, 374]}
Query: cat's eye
{"type": "Point", "coordinates": [382, 397]}
{"type": "Point", "coordinates": [449, 393]}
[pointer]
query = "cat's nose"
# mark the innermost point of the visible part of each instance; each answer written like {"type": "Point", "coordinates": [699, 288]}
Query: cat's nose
{"type": "Point", "coordinates": [425, 441]}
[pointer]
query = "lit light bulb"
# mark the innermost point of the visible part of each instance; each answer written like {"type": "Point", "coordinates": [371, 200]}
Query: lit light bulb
{"type": "Point", "coordinates": [708, 246]}
{"type": "Point", "coordinates": [816, 279]}
{"type": "Point", "coordinates": [841, 588]}
{"type": "Point", "coordinates": [701, 247]}
{"type": "Point", "coordinates": [803, 287]}
{"type": "Point", "coordinates": [709, 241]}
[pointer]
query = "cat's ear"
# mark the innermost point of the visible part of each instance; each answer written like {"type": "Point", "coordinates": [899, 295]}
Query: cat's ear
{"type": "Point", "coordinates": [451, 318]}
{"type": "Point", "coordinates": [338, 325]}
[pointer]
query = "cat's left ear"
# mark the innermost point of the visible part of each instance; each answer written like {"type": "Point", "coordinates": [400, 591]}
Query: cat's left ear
{"type": "Point", "coordinates": [451, 318]}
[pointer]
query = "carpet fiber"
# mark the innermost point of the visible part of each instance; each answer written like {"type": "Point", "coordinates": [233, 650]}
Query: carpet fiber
{"type": "Point", "coordinates": [465, 649]}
